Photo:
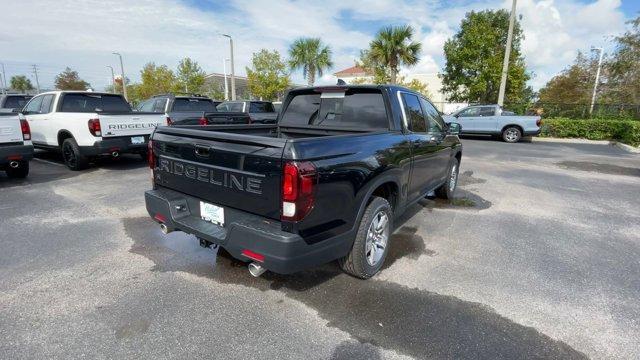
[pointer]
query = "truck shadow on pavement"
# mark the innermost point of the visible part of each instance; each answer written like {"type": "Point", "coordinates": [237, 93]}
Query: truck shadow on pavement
{"type": "Point", "coordinates": [385, 314]}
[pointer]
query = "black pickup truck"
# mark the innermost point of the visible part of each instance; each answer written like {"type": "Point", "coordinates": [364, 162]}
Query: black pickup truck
{"type": "Point", "coordinates": [191, 109]}
{"type": "Point", "coordinates": [325, 183]}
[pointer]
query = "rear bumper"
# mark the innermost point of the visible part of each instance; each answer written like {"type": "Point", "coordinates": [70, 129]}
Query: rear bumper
{"type": "Point", "coordinates": [283, 252]}
{"type": "Point", "coordinates": [532, 133]}
{"type": "Point", "coordinates": [120, 144]}
{"type": "Point", "coordinates": [15, 153]}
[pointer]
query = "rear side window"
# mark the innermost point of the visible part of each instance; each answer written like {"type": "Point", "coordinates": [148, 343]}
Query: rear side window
{"type": "Point", "coordinates": [16, 102]}
{"type": "Point", "coordinates": [47, 104]}
{"type": "Point", "coordinates": [33, 107]}
{"type": "Point", "coordinates": [184, 104]}
{"type": "Point", "coordinates": [261, 107]}
{"type": "Point", "coordinates": [487, 111]}
{"type": "Point", "coordinates": [94, 103]}
{"type": "Point", "coordinates": [230, 107]}
{"type": "Point", "coordinates": [359, 109]}
{"type": "Point", "coordinates": [413, 110]}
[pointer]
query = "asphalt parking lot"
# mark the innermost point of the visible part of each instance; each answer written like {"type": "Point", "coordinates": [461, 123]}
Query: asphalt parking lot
{"type": "Point", "coordinates": [538, 257]}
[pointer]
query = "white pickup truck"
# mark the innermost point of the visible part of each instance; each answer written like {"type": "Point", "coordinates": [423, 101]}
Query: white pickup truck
{"type": "Point", "coordinates": [492, 120]}
{"type": "Point", "coordinates": [15, 146]}
{"type": "Point", "coordinates": [84, 125]}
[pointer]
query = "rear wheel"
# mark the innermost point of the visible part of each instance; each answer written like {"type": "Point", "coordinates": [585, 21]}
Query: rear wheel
{"type": "Point", "coordinates": [372, 240]}
{"type": "Point", "coordinates": [446, 190]}
{"type": "Point", "coordinates": [19, 172]}
{"type": "Point", "coordinates": [72, 156]}
{"type": "Point", "coordinates": [511, 134]}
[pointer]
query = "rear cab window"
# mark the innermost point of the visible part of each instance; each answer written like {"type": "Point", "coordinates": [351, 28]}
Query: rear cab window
{"type": "Point", "coordinates": [193, 104]}
{"type": "Point", "coordinates": [359, 108]}
{"type": "Point", "coordinates": [261, 107]}
{"type": "Point", "coordinates": [79, 102]}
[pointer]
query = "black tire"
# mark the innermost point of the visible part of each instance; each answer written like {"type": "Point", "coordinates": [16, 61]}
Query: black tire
{"type": "Point", "coordinates": [20, 172]}
{"type": "Point", "coordinates": [446, 190]}
{"type": "Point", "coordinates": [72, 156]}
{"type": "Point", "coordinates": [512, 134]}
{"type": "Point", "coordinates": [356, 262]}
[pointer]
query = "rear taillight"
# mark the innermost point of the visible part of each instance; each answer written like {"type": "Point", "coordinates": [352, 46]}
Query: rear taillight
{"type": "Point", "coordinates": [26, 130]}
{"type": "Point", "coordinates": [298, 184]}
{"type": "Point", "coordinates": [169, 121]}
{"type": "Point", "coordinates": [151, 157]}
{"type": "Point", "coordinates": [538, 122]}
{"type": "Point", "coordinates": [94, 127]}
{"type": "Point", "coordinates": [203, 121]}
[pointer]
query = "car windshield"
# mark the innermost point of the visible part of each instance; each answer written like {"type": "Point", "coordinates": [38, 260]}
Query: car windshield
{"type": "Point", "coordinates": [94, 103]}
{"type": "Point", "coordinates": [193, 104]}
{"type": "Point", "coordinates": [362, 108]}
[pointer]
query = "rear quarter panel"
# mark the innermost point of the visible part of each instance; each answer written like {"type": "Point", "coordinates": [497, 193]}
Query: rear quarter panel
{"type": "Point", "coordinates": [527, 123]}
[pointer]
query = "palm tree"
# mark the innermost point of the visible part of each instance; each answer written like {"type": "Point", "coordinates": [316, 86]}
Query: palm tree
{"type": "Point", "coordinates": [21, 83]}
{"type": "Point", "coordinates": [393, 47]}
{"type": "Point", "coordinates": [312, 56]}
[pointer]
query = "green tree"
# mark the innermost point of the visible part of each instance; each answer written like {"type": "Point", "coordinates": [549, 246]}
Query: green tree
{"type": "Point", "coordinates": [310, 55]}
{"type": "Point", "coordinates": [572, 86]}
{"type": "Point", "coordinates": [155, 80]}
{"type": "Point", "coordinates": [623, 85]}
{"type": "Point", "coordinates": [391, 48]}
{"type": "Point", "coordinates": [268, 78]}
{"type": "Point", "coordinates": [70, 80]}
{"type": "Point", "coordinates": [417, 86]}
{"type": "Point", "coordinates": [190, 76]}
{"type": "Point", "coordinates": [21, 83]}
{"type": "Point", "coordinates": [474, 59]}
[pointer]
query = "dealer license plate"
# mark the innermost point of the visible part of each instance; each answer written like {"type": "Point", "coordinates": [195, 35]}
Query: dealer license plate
{"type": "Point", "coordinates": [212, 213]}
{"type": "Point", "coordinates": [137, 140]}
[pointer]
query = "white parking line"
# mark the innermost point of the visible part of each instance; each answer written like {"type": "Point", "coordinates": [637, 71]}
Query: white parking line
{"type": "Point", "coordinates": [49, 162]}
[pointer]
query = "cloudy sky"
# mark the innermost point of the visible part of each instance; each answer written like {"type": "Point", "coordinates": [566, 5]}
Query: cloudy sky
{"type": "Point", "coordinates": [82, 34]}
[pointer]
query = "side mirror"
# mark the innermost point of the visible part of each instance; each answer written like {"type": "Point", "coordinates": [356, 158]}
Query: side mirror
{"type": "Point", "coordinates": [454, 128]}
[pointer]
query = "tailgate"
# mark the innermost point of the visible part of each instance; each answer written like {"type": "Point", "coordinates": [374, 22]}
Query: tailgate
{"type": "Point", "coordinates": [228, 169]}
{"type": "Point", "coordinates": [216, 118]}
{"type": "Point", "coordinates": [10, 130]}
{"type": "Point", "coordinates": [129, 124]}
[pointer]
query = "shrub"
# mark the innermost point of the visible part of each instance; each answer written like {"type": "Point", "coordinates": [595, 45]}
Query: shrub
{"type": "Point", "coordinates": [626, 131]}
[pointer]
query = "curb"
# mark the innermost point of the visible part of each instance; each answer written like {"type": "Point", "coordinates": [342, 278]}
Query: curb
{"type": "Point", "coordinates": [619, 145]}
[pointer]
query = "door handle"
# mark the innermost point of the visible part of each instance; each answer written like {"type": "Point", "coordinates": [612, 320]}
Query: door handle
{"type": "Point", "coordinates": [202, 150]}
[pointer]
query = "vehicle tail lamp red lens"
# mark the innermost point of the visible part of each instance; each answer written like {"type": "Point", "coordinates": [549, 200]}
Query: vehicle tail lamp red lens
{"type": "Point", "coordinates": [203, 121]}
{"type": "Point", "coordinates": [298, 190]}
{"type": "Point", "coordinates": [94, 127]}
{"type": "Point", "coordinates": [151, 157]}
{"type": "Point", "coordinates": [169, 121]}
{"type": "Point", "coordinates": [538, 122]}
{"type": "Point", "coordinates": [160, 218]}
{"type": "Point", "coordinates": [253, 255]}
{"type": "Point", "coordinates": [26, 130]}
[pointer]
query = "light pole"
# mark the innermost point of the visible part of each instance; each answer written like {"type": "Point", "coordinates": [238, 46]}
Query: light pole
{"type": "Point", "coordinates": [4, 80]}
{"type": "Point", "coordinates": [113, 79]}
{"type": "Point", "coordinates": [507, 53]}
{"type": "Point", "coordinates": [595, 84]}
{"type": "Point", "coordinates": [124, 85]}
{"type": "Point", "coordinates": [233, 73]}
{"type": "Point", "coordinates": [226, 85]}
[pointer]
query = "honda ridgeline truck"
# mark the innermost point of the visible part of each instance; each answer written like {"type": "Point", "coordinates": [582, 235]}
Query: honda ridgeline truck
{"type": "Point", "coordinates": [83, 125]}
{"type": "Point", "coordinates": [191, 109]}
{"type": "Point", "coordinates": [15, 146]}
{"type": "Point", "coordinates": [326, 182]}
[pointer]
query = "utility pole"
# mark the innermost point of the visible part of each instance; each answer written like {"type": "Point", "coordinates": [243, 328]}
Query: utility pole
{"type": "Point", "coordinates": [595, 84]}
{"type": "Point", "coordinates": [124, 85]}
{"type": "Point", "coordinates": [113, 79]}
{"type": "Point", "coordinates": [233, 74]}
{"type": "Point", "coordinates": [4, 80]}
{"type": "Point", "coordinates": [226, 84]}
{"type": "Point", "coordinates": [507, 53]}
{"type": "Point", "coordinates": [35, 72]}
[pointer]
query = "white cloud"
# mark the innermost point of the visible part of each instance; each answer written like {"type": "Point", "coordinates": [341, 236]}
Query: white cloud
{"type": "Point", "coordinates": [82, 34]}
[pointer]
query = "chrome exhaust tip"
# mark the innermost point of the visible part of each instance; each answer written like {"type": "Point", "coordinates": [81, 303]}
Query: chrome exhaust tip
{"type": "Point", "coordinates": [256, 269]}
{"type": "Point", "coordinates": [165, 229]}
{"type": "Point", "coordinates": [115, 154]}
{"type": "Point", "coordinates": [14, 164]}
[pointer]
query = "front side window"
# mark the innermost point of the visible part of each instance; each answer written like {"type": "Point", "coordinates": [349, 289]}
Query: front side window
{"type": "Point", "coordinates": [33, 107]}
{"type": "Point", "coordinates": [146, 106]}
{"type": "Point", "coordinates": [469, 112]}
{"type": "Point", "coordinates": [159, 105]}
{"type": "Point", "coordinates": [261, 107]}
{"type": "Point", "coordinates": [435, 123]}
{"type": "Point", "coordinates": [230, 107]}
{"type": "Point", "coordinates": [47, 104]}
{"type": "Point", "coordinates": [413, 110]}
